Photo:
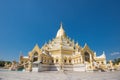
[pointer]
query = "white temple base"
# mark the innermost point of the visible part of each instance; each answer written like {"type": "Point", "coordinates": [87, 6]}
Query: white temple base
{"type": "Point", "coordinates": [45, 67]}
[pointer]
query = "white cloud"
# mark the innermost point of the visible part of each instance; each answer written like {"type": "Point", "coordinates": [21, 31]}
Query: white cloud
{"type": "Point", "coordinates": [115, 53]}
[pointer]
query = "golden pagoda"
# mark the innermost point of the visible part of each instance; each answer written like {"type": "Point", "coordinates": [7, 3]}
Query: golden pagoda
{"type": "Point", "coordinates": [62, 54]}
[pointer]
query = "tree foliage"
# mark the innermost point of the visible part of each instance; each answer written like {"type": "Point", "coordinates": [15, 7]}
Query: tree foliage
{"type": "Point", "coordinates": [116, 61]}
{"type": "Point", "coordinates": [2, 63]}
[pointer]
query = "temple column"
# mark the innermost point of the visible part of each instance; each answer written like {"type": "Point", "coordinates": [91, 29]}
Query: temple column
{"type": "Point", "coordinates": [39, 58]}
{"type": "Point", "coordinates": [90, 58]}
{"type": "Point", "coordinates": [54, 60]}
{"type": "Point", "coordinates": [81, 59]}
{"type": "Point", "coordinates": [91, 63]}
{"type": "Point", "coordinates": [78, 60]}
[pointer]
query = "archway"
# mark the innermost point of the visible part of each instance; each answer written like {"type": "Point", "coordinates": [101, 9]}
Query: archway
{"type": "Point", "coordinates": [87, 57]}
{"type": "Point", "coordinates": [35, 57]}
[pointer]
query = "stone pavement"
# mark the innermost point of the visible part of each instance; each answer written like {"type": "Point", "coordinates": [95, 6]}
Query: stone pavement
{"type": "Point", "coordinates": [54, 75]}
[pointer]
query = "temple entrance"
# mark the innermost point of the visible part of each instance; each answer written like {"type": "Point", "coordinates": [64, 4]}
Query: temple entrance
{"type": "Point", "coordinates": [87, 57]}
{"type": "Point", "coordinates": [35, 57]}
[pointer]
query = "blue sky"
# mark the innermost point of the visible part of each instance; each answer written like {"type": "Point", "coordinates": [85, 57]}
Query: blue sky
{"type": "Point", "coordinates": [23, 23]}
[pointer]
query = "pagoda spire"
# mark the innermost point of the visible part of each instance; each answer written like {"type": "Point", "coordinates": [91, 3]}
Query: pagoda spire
{"type": "Point", "coordinates": [61, 25]}
{"type": "Point", "coordinates": [61, 32]}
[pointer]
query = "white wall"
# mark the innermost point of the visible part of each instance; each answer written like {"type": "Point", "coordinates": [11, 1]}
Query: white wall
{"type": "Point", "coordinates": [79, 67]}
{"type": "Point", "coordinates": [46, 67]}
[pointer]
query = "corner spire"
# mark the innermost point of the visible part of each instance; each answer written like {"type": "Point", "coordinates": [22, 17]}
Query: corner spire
{"type": "Point", "coordinates": [20, 53]}
{"type": "Point", "coordinates": [104, 54]}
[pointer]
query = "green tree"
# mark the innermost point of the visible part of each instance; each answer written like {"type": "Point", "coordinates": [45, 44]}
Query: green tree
{"type": "Point", "coordinates": [2, 63]}
{"type": "Point", "coordinates": [116, 61]}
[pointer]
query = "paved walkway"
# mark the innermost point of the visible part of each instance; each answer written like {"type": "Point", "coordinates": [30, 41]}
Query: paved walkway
{"type": "Point", "coordinates": [54, 75]}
